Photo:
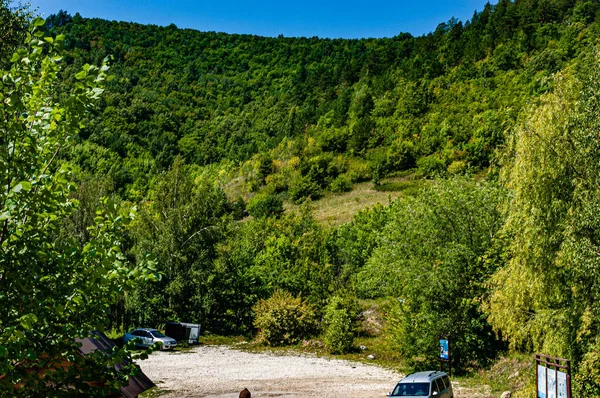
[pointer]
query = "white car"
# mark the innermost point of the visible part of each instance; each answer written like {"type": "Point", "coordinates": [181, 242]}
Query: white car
{"type": "Point", "coordinates": [146, 337]}
{"type": "Point", "coordinates": [430, 384]}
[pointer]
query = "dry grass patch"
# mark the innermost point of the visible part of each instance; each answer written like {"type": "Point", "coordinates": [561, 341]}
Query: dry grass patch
{"type": "Point", "coordinates": [335, 209]}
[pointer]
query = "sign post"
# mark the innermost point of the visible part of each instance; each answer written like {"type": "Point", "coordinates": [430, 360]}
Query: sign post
{"type": "Point", "coordinates": [445, 354]}
{"type": "Point", "coordinates": [553, 377]}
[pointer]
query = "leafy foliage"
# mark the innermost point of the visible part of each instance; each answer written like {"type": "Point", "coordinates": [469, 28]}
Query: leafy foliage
{"type": "Point", "coordinates": [181, 227]}
{"type": "Point", "coordinates": [339, 319]}
{"type": "Point", "coordinates": [438, 100]}
{"type": "Point", "coordinates": [14, 23]}
{"type": "Point", "coordinates": [434, 261]}
{"type": "Point", "coordinates": [53, 289]}
{"type": "Point", "coordinates": [193, 124]}
{"type": "Point", "coordinates": [544, 298]}
{"type": "Point", "coordinates": [265, 205]}
{"type": "Point", "coordinates": [283, 319]}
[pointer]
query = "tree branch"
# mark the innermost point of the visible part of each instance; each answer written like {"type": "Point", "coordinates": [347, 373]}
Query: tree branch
{"type": "Point", "coordinates": [196, 233]}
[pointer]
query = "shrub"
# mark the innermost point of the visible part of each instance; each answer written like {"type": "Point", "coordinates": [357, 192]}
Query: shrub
{"type": "Point", "coordinates": [265, 205]}
{"type": "Point", "coordinates": [402, 155]}
{"type": "Point", "coordinates": [378, 162]}
{"type": "Point", "coordinates": [238, 208]}
{"type": "Point", "coordinates": [358, 170]}
{"type": "Point", "coordinates": [283, 319]}
{"type": "Point", "coordinates": [320, 169]}
{"type": "Point", "coordinates": [334, 140]}
{"type": "Point", "coordinates": [340, 316]}
{"type": "Point", "coordinates": [277, 182]}
{"type": "Point", "coordinates": [431, 165]}
{"type": "Point", "coordinates": [338, 335]}
{"type": "Point", "coordinates": [341, 184]}
{"type": "Point", "coordinates": [457, 167]}
{"type": "Point", "coordinates": [302, 188]}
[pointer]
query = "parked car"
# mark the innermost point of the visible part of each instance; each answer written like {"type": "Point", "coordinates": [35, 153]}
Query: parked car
{"type": "Point", "coordinates": [146, 337]}
{"type": "Point", "coordinates": [424, 384]}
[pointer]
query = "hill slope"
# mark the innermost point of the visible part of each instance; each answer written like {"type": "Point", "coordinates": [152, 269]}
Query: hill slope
{"type": "Point", "coordinates": [309, 110]}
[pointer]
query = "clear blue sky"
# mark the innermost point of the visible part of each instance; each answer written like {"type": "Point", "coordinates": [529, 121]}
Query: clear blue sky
{"type": "Point", "coordinates": [334, 18]}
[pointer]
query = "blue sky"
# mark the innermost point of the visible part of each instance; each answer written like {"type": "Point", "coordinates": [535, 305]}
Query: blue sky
{"type": "Point", "coordinates": [335, 18]}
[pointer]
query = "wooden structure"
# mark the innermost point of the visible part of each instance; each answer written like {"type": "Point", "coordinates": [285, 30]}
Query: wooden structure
{"type": "Point", "coordinates": [137, 384]}
{"type": "Point", "coordinates": [553, 377]}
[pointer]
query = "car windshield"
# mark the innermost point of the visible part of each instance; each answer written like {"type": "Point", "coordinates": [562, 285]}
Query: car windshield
{"type": "Point", "coordinates": [411, 390]}
{"type": "Point", "coordinates": [156, 333]}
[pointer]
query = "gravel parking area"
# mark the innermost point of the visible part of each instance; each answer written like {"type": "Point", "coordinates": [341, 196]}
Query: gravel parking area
{"type": "Point", "coordinates": [219, 371]}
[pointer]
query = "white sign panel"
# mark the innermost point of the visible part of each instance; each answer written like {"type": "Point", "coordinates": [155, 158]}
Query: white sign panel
{"type": "Point", "coordinates": [561, 379]}
{"type": "Point", "coordinates": [551, 383]}
{"type": "Point", "coordinates": [541, 374]}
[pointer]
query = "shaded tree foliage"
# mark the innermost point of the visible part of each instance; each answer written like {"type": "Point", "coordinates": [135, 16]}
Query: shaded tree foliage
{"type": "Point", "coordinates": [434, 261]}
{"type": "Point", "coordinates": [54, 289]}
{"type": "Point", "coordinates": [181, 226]}
{"type": "Point", "coordinates": [544, 298]}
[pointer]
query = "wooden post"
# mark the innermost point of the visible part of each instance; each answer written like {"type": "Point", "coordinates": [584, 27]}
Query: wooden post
{"type": "Point", "coordinates": [537, 386]}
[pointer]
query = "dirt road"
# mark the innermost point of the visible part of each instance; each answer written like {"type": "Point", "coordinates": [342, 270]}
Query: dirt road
{"type": "Point", "coordinates": [219, 371]}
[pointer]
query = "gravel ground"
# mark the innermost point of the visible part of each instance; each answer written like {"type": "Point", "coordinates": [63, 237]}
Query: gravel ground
{"type": "Point", "coordinates": [222, 372]}
{"type": "Point", "coordinates": [218, 371]}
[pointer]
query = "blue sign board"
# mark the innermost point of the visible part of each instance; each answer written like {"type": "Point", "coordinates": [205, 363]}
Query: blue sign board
{"type": "Point", "coordinates": [444, 351]}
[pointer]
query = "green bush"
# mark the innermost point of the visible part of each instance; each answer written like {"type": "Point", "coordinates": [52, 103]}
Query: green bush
{"type": "Point", "coordinates": [432, 165]}
{"type": "Point", "coordinates": [265, 205]}
{"type": "Point", "coordinates": [457, 167]}
{"type": "Point", "coordinates": [401, 155]}
{"type": "Point", "coordinates": [587, 379]}
{"type": "Point", "coordinates": [283, 319]}
{"type": "Point", "coordinates": [378, 163]}
{"type": "Point", "coordinates": [340, 317]}
{"type": "Point", "coordinates": [338, 335]}
{"type": "Point", "coordinates": [358, 170]}
{"type": "Point", "coordinates": [341, 184]}
{"type": "Point", "coordinates": [334, 140]}
{"type": "Point", "coordinates": [302, 188]}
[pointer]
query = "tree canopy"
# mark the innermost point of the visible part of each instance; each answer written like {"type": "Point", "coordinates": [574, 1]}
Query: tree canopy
{"type": "Point", "coordinates": [53, 290]}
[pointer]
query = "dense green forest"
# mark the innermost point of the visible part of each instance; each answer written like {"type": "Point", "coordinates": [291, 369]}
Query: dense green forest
{"type": "Point", "coordinates": [166, 159]}
{"type": "Point", "coordinates": [303, 115]}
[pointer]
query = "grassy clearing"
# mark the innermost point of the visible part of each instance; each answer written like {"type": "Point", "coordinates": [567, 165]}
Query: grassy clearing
{"type": "Point", "coordinates": [211, 339]}
{"type": "Point", "coordinates": [335, 209]}
{"type": "Point", "coordinates": [512, 373]}
{"type": "Point", "coordinates": [375, 346]}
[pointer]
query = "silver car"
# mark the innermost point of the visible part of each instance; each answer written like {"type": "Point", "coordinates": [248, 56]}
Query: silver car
{"type": "Point", "coordinates": [146, 337]}
{"type": "Point", "coordinates": [424, 384]}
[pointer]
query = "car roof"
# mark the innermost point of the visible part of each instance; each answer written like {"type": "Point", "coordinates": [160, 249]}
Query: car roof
{"type": "Point", "coordinates": [421, 377]}
{"type": "Point", "coordinates": [146, 329]}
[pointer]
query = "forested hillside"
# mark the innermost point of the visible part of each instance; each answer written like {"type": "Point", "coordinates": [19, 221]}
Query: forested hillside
{"type": "Point", "coordinates": [312, 113]}
{"type": "Point", "coordinates": [491, 122]}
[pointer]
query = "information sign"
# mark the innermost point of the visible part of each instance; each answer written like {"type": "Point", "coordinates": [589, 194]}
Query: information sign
{"type": "Point", "coordinates": [541, 371]}
{"type": "Point", "coordinates": [561, 379]}
{"type": "Point", "coordinates": [551, 379]}
{"type": "Point", "coordinates": [444, 351]}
